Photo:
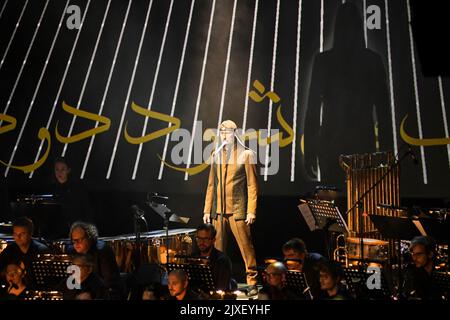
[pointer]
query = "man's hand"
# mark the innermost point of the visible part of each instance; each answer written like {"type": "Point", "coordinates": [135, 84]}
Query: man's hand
{"type": "Point", "coordinates": [251, 217]}
{"type": "Point", "coordinates": [206, 218]}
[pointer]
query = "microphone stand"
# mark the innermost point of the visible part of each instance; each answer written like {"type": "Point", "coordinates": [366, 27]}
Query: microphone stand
{"type": "Point", "coordinates": [166, 228]}
{"type": "Point", "coordinates": [137, 231]}
{"type": "Point", "coordinates": [222, 196]}
{"type": "Point", "coordinates": [222, 199]}
{"type": "Point", "coordinates": [359, 204]}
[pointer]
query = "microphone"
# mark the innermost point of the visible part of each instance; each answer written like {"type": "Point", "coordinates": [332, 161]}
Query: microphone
{"type": "Point", "coordinates": [156, 195]}
{"type": "Point", "coordinates": [137, 211]}
{"type": "Point", "coordinates": [139, 214]}
{"type": "Point", "coordinates": [224, 143]}
{"type": "Point", "coordinates": [413, 156]}
{"type": "Point", "coordinates": [12, 285]}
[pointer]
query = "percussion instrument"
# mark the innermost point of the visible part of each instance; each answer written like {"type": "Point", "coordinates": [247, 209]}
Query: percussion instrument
{"type": "Point", "coordinates": [6, 228]}
{"type": "Point", "coordinates": [153, 247]}
{"type": "Point", "coordinates": [45, 295]}
{"type": "Point", "coordinates": [374, 249]}
{"type": "Point", "coordinates": [5, 239]}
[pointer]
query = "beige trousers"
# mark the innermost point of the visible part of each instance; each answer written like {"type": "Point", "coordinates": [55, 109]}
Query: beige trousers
{"type": "Point", "coordinates": [241, 232]}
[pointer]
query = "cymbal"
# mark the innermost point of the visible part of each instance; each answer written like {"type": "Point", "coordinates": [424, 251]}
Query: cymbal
{"type": "Point", "coordinates": [176, 218]}
{"type": "Point", "coordinates": [6, 224]}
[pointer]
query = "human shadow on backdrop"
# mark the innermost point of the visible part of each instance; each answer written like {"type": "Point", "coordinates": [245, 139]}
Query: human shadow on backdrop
{"type": "Point", "coordinates": [348, 83]}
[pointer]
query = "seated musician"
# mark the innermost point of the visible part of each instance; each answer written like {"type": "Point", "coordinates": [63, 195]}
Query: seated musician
{"type": "Point", "coordinates": [24, 249]}
{"type": "Point", "coordinates": [71, 195]}
{"type": "Point", "coordinates": [331, 274]}
{"type": "Point", "coordinates": [84, 237]}
{"type": "Point", "coordinates": [275, 284]}
{"type": "Point", "coordinates": [418, 282]}
{"type": "Point", "coordinates": [90, 286]}
{"type": "Point", "coordinates": [298, 258]}
{"type": "Point", "coordinates": [16, 285]}
{"type": "Point", "coordinates": [220, 264]}
{"type": "Point", "coordinates": [178, 284]}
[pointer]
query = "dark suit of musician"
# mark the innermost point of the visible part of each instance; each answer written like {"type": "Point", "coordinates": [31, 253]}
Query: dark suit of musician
{"type": "Point", "coordinates": [233, 168]}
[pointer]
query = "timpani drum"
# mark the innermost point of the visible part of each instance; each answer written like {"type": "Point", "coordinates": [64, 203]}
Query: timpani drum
{"type": "Point", "coordinates": [153, 247]}
{"type": "Point", "coordinates": [374, 249]}
{"type": "Point", "coordinates": [60, 245]}
{"type": "Point", "coordinates": [5, 240]}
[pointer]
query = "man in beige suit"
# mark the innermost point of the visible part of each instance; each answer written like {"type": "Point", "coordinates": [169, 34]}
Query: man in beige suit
{"type": "Point", "coordinates": [233, 177]}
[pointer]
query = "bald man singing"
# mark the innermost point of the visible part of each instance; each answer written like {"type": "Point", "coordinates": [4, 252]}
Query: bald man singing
{"type": "Point", "coordinates": [233, 177]}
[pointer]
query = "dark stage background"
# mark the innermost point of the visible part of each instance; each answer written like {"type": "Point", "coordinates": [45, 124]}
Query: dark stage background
{"type": "Point", "coordinates": [198, 60]}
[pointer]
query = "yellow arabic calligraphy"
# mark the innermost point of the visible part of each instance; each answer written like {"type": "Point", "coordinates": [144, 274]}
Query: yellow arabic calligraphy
{"type": "Point", "coordinates": [12, 123]}
{"type": "Point", "coordinates": [155, 115]}
{"type": "Point", "coordinates": [421, 142]}
{"type": "Point", "coordinates": [260, 88]}
{"type": "Point", "coordinates": [85, 134]}
{"type": "Point", "coordinates": [42, 134]}
{"type": "Point", "coordinates": [191, 171]}
{"type": "Point", "coordinates": [276, 137]}
{"type": "Point", "coordinates": [283, 141]}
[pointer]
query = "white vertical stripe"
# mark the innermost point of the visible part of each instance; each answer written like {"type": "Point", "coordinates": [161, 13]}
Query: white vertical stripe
{"type": "Point", "coordinates": [30, 107]}
{"type": "Point", "coordinates": [69, 61]}
{"type": "Point", "coordinates": [391, 83]}
{"type": "Point", "coordinates": [321, 25]}
{"type": "Point", "coordinates": [19, 75]}
{"type": "Point", "coordinates": [321, 103]}
{"type": "Point", "coordinates": [13, 34]}
{"type": "Point", "coordinates": [444, 115]}
{"type": "Point", "coordinates": [416, 95]}
{"type": "Point", "coordinates": [365, 21]}
{"type": "Point", "coordinates": [297, 67]}
{"type": "Point", "coordinates": [175, 94]}
{"type": "Point", "coordinates": [86, 78]}
{"type": "Point", "coordinates": [105, 92]}
{"type": "Point", "coordinates": [155, 80]}
{"type": "Point", "coordinates": [250, 65]}
{"type": "Point", "coordinates": [272, 83]}
{"type": "Point", "coordinates": [200, 86]}
{"type": "Point", "coordinates": [227, 63]}
{"type": "Point", "coordinates": [3, 8]}
{"type": "Point", "coordinates": [136, 61]}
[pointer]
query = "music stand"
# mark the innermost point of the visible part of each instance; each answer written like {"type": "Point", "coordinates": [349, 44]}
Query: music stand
{"type": "Point", "coordinates": [49, 270]}
{"type": "Point", "coordinates": [39, 207]}
{"type": "Point", "coordinates": [396, 228]}
{"type": "Point", "coordinates": [356, 281]}
{"type": "Point", "coordinates": [442, 280]}
{"type": "Point", "coordinates": [168, 216]}
{"type": "Point", "coordinates": [439, 230]}
{"type": "Point", "coordinates": [322, 214]}
{"type": "Point", "coordinates": [296, 282]}
{"type": "Point", "coordinates": [325, 215]}
{"type": "Point", "coordinates": [200, 275]}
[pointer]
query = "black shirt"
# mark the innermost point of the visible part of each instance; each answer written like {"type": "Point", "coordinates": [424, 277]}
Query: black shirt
{"type": "Point", "coordinates": [311, 269]}
{"type": "Point", "coordinates": [220, 266]}
{"type": "Point", "coordinates": [342, 294]}
{"type": "Point", "coordinates": [74, 205]}
{"type": "Point", "coordinates": [92, 285]}
{"type": "Point", "coordinates": [13, 254]}
{"type": "Point", "coordinates": [419, 284]}
{"type": "Point", "coordinates": [190, 295]}
{"type": "Point", "coordinates": [274, 293]}
{"type": "Point", "coordinates": [105, 264]}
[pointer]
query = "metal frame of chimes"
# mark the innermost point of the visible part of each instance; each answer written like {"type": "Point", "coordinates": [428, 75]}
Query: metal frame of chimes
{"type": "Point", "coordinates": [362, 171]}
